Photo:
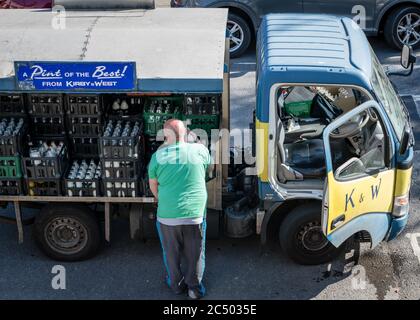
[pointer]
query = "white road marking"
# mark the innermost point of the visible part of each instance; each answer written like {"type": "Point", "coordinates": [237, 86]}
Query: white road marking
{"type": "Point", "coordinates": [414, 239]}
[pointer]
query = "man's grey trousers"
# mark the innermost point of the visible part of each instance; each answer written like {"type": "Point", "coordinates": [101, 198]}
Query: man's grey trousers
{"type": "Point", "coordinates": [186, 244]}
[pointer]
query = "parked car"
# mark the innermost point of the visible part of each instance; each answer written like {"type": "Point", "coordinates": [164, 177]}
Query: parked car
{"type": "Point", "coordinates": [398, 20]}
{"type": "Point", "coordinates": [25, 4]}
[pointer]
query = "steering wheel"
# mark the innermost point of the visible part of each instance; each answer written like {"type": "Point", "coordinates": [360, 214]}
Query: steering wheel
{"type": "Point", "coordinates": [352, 127]}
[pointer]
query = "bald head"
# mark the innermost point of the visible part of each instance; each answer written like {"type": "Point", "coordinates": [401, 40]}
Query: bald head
{"type": "Point", "coordinates": [174, 131]}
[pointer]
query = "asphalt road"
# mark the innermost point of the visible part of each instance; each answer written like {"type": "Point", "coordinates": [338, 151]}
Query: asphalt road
{"type": "Point", "coordinates": [235, 269]}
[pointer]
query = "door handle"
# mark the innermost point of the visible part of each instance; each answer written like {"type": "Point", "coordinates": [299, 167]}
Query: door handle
{"type": "Point", "coordinates": [338, 221]}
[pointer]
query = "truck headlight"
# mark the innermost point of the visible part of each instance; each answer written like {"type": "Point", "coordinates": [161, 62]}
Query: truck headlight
{"type": "Point", "coordinates": [401, 206]}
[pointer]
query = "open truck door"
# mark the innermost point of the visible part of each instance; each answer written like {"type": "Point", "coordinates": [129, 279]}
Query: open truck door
{"type": "Point", "coordinates": [358, 194]}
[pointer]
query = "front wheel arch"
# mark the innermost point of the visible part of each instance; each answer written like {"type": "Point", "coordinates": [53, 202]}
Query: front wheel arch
{"type": "Point", "coordinates": [301, 237]}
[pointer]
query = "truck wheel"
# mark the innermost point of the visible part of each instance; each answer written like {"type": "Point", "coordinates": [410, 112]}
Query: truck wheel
{"type": "Point", "coordinates": [403, 27]}
{"type": "Point", "coordinates": [302, 239]}
{"type": "Point", "coordinates": [67, 233]}
{"type": "Point", "coordinates": [239, 34]}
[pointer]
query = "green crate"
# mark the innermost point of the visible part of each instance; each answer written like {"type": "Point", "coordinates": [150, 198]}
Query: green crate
{"type": "Point", "coordinates": [299, 109]}
{"type": "Point", "coordinates": [203, 122]}
{"type": "Point", "coordinates": [10, 167]}
{"type": "Point", "coordinates": [154, 121]}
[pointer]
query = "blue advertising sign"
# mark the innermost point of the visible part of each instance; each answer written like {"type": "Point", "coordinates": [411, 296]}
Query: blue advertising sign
{"type": "Point", "coordinates": [76, 76]}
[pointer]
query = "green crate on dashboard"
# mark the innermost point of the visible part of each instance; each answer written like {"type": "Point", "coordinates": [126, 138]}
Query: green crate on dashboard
{"type": "Point", "coordinates": [299, 109]}
{"type": "Point", "coordinates": [10, 167]}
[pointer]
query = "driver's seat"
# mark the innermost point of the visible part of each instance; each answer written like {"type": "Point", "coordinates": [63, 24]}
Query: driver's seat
{"type": "Point", "coordinates": [306, 157]}
{"type": "Point", "coordinates": [300, 160]}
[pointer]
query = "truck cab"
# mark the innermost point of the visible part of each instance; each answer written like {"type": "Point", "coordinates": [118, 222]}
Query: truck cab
{"type": "Point", "coordinates": [334, 143]}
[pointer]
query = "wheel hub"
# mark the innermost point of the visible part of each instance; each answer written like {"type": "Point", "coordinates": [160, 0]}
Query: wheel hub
{"type": "Point", "coordinates": [408, 29]}
{"type": "Point", "coordinates": [236, 35]}
{"type": "Point", "coordinates": [66, 235]}
{"type": "Point", "coordinates": [311, 237]}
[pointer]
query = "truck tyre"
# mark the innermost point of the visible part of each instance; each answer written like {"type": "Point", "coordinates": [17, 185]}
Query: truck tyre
{"type": "Point", "coordinates": [240, 35]}
{"type": "Point", "coordinates": [403, 27]}
{"type": "Point", "coordinates": [67, 233]}
{"type": "Point", "coordinates": [302, 239]}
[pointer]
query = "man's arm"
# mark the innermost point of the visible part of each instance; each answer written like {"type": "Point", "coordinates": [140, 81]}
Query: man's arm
{"type": "Point", "coordinates": [153, 183]}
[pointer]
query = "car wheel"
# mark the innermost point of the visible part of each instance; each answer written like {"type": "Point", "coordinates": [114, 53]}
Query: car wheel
{"type": "Point", "coordinates": [239, 35]}
{"type": "Point", "coordinates": [403, 27]}
{"type": "Point", "coordinates": [302, 239]}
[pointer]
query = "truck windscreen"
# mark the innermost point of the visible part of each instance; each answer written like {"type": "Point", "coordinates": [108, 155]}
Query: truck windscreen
{"type": "Point", "coordinates": [388, 97]}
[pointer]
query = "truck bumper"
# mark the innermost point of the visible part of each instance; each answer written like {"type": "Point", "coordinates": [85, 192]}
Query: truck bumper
{"type": "Point", "coordinates": [397, 226]}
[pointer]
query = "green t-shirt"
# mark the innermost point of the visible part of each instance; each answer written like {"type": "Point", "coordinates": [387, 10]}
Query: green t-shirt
{"type": "Point", "coordinates": [180, 170]}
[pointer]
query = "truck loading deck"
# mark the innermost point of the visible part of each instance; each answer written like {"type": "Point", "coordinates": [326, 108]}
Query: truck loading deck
{"type": "Point", "coordinates": [107, 68]}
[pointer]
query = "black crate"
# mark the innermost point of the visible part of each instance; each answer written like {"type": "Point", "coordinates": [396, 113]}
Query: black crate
{"type": "Point", "coordinates": [123, 188]}
{"type": "Point", "coordinates": [84, 147]}
{"type": "Point", "coordinates": [122, 147]}
{"type": "Point", "coordinates": [81, 187]}
{"type": "Point", "coordinates": [84, 104]}
{"type": "Point", "coordinates": [12, 104]}
{"type": "Point", "coordinates": [45, 167]}
{"type": "Point", "coordinates": [120, 169]}
{"type": "Point", "coordinates": [13, 145]}
{"type": "Point", "coordinates": [44, 187]}
{"type": "Point", "coordinates": [48, 126]}
{"type": "Point", "coordinates": [11, 187]}
{"type": "Point", "coordinates": [202, 104]}
{"type": "Point", "coordinates": [152, 145]}
{"type": "Point", "coordinates": [45, 104]}
{"type": "Point", "coordinates": [85, 125]}
{"type": "Point", "coordinates": [134, 111]}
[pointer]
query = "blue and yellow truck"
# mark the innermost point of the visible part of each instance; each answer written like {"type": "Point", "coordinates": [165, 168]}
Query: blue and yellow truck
{"type": "Point", "coordinates": [332, 138]}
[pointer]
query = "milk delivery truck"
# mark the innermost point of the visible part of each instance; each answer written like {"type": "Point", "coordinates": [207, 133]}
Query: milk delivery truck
{"type": "Point", "coordinates": [81, 109]}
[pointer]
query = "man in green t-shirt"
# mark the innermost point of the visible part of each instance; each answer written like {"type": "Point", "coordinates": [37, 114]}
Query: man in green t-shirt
{"type": "Point", "coordinates": [177, 178]}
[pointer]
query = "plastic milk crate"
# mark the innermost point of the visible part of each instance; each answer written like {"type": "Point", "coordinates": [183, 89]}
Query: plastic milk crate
{"type": "Point", "coordinates": [84, 147]}
{"type": "Point", "coordinates": [12, 105]}
{"type": "Point", "coordinates": [44, 187]}
{"type": "Point", "coordinates": [91, 126]}
{"type": "Point", "coordinates": [83, 181]}
{"type": "Point", "coordinates": [49, 164]}
{"type": "Point", "coordinates": [11, 141]}
{"type": "Point", "coordinates": [121, 187]}
{"type": "Point", "coordinates": [10, 167]}
{"type": "Point", "coordinates": [11, 187]}
{"type": "Point", "coordinates": [119, 146]}
{"type": "Point", "coordinates": [48, 125]}
{"type": "Point", "coordinates": [45, 104]}
{"type": "Point", "coordinates": [84, 105]}
{"type": "Point", "coordinates": [158, 110]}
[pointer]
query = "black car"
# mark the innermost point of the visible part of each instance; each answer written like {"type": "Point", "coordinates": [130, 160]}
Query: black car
{"type": "Point", "coordinates": [398, 20]}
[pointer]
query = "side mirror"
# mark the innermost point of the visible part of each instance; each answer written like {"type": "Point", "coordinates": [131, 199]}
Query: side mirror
{"type": "Point", "coordinates": [405, 141]}
{"type": "Point", "coordinates": [408, 58]}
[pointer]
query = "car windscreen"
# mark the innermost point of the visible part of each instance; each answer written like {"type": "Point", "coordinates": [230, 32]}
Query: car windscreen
{"type": "Point", "coordinates": [390, 100]}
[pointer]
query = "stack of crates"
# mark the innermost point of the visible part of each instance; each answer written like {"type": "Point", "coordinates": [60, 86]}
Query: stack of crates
{"type": "Point", "coordinates": [13, 125]}
{"type": "Point", "coordinates": [44, 164]}
{"type": "Point", "coordinates": [46, 112]}
{"type": "Point", "coordinates": [202, 112]}
{"type": "Point", "coordinates": [85, 120]}
{"type": "Point", "coordinates": [121, 150]}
